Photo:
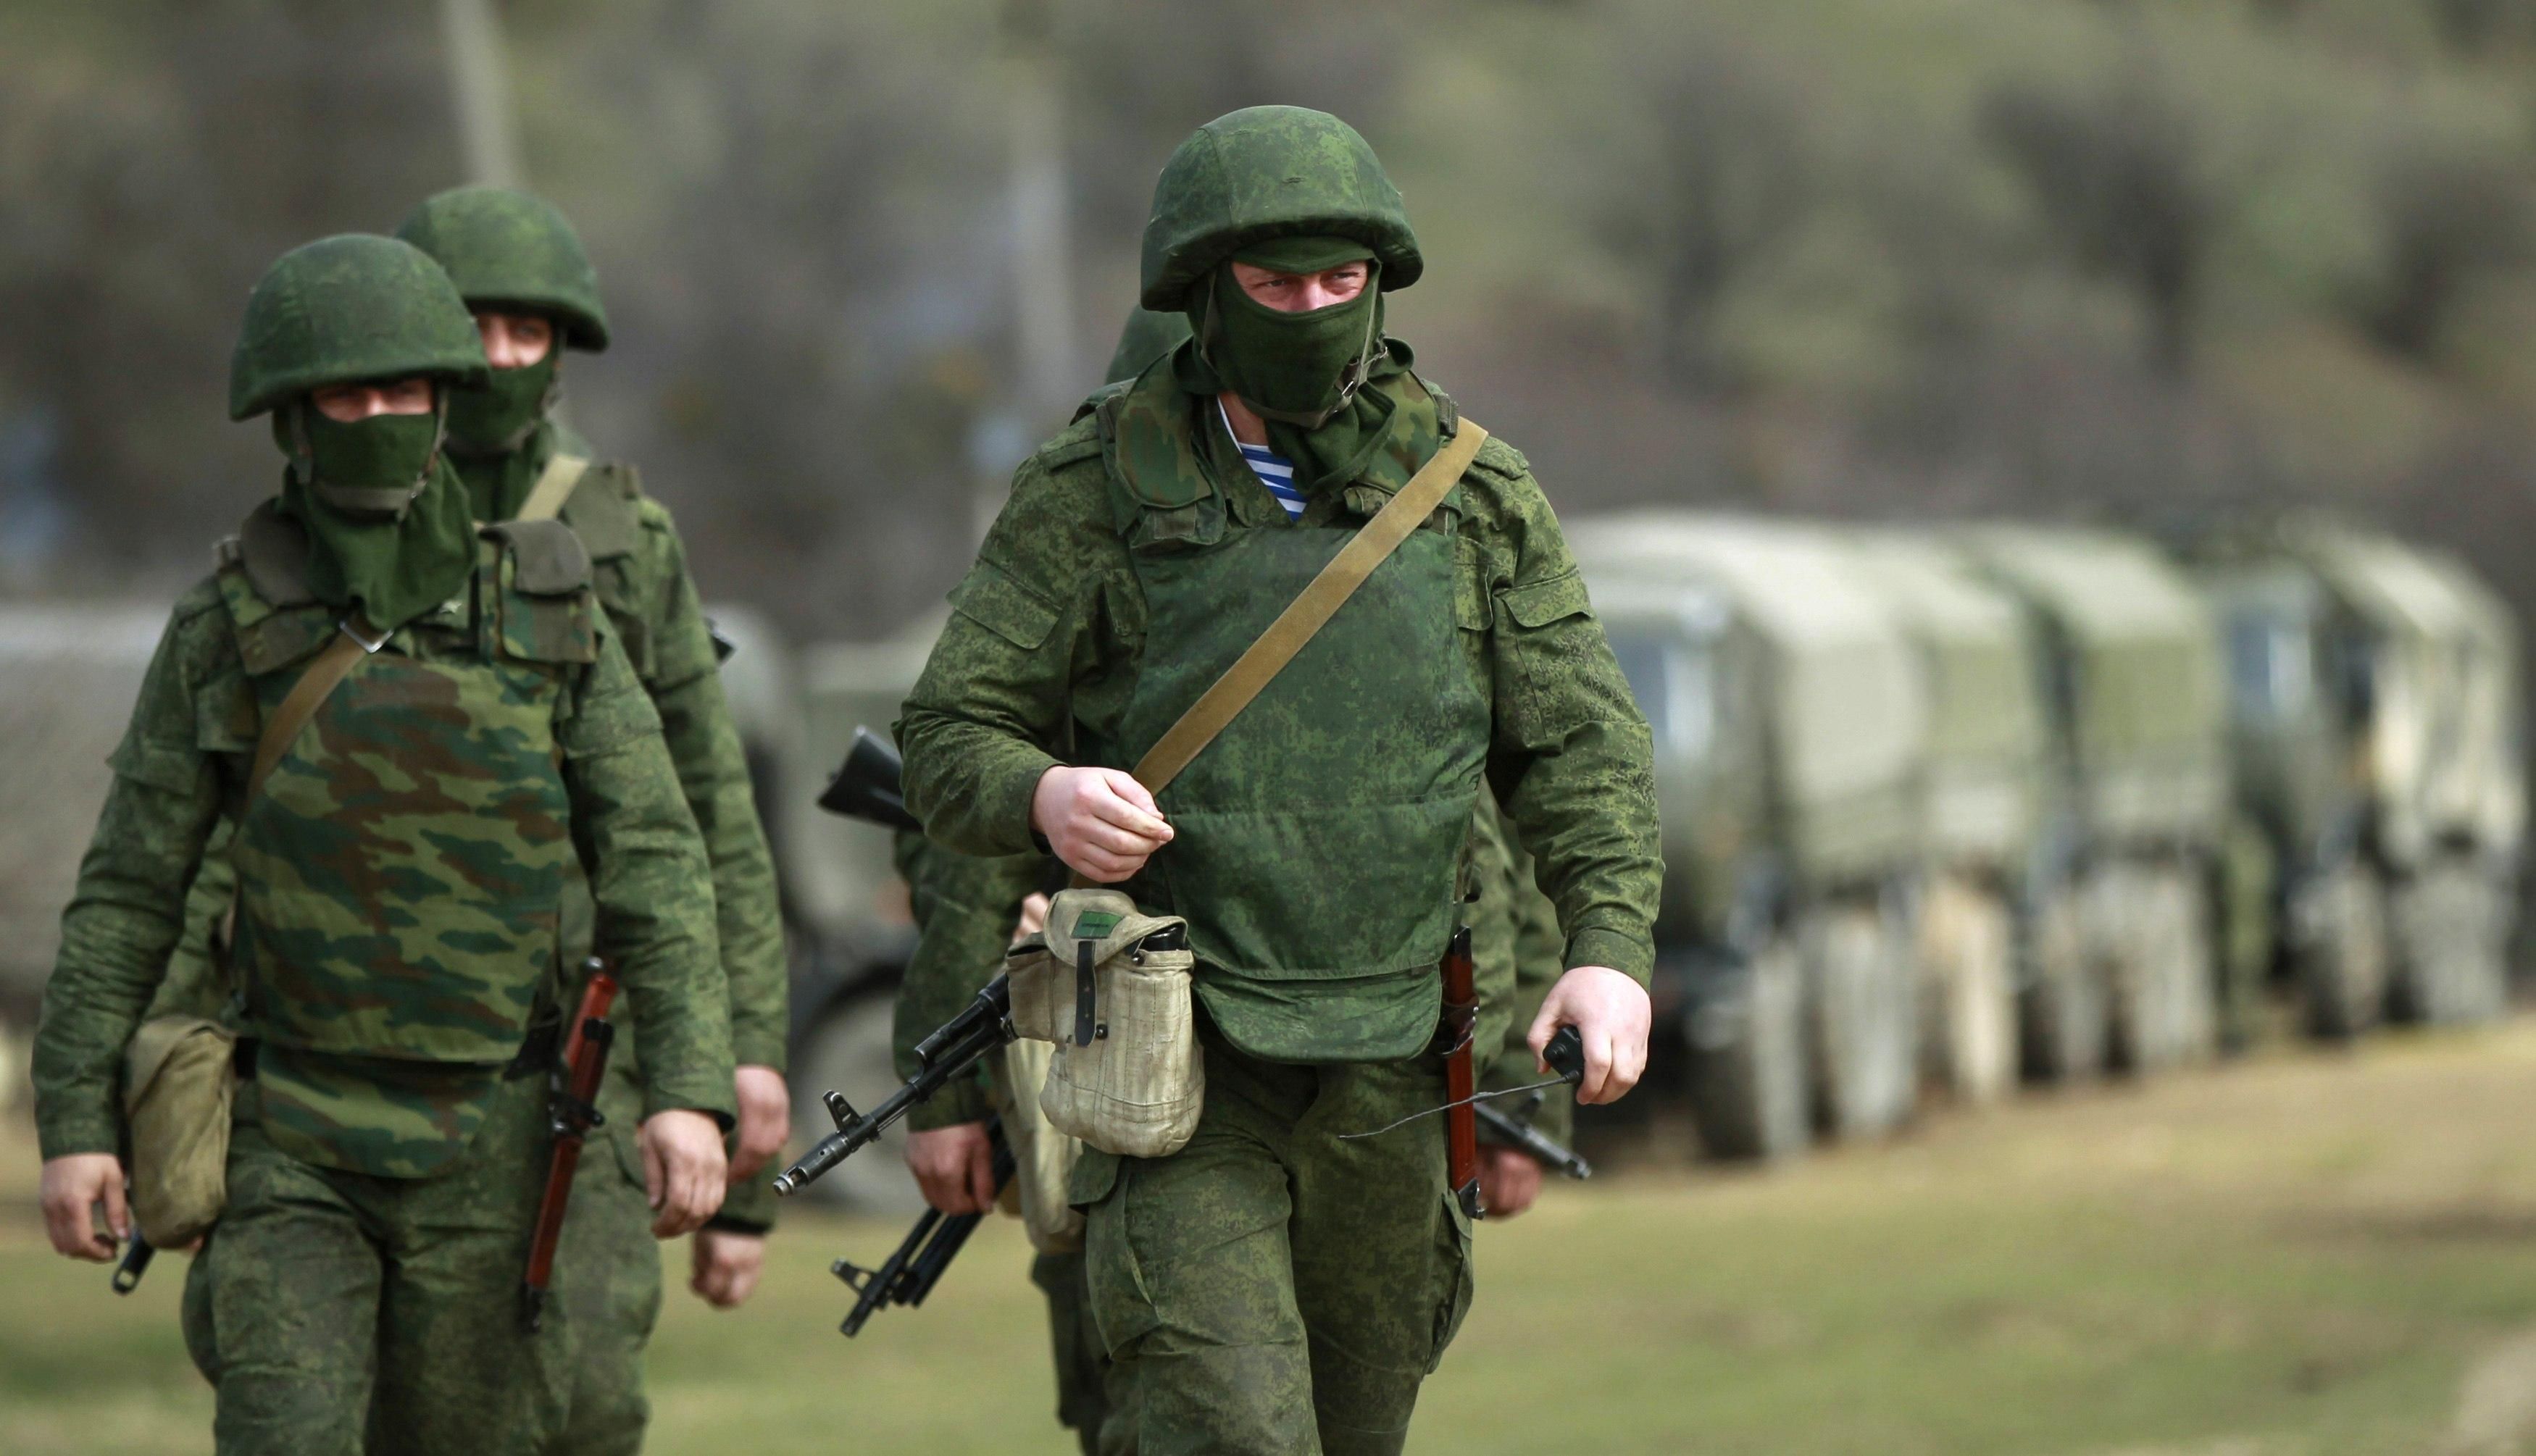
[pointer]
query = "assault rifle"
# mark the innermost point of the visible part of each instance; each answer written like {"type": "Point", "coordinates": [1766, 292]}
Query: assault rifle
{"type": "Point", "coordinates": [866, 787]}
{"type": "Point", "coordinates": [907, 1275]}
{"type": "Point", "coordinates": [1515, 1130]}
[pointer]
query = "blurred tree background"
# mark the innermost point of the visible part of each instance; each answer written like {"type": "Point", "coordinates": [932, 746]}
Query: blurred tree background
{"type": "Point", "coordinates": [2135, 259]}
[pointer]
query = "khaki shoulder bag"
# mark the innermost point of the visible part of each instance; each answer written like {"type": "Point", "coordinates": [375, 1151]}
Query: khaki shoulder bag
{"type": "Point", "coordinates": [180, 1072]}
{"type": "Point", "coordinates": [1110, 985]}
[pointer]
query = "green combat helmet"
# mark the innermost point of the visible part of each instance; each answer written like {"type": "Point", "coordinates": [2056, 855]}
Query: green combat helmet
{"type": "Point", "coordinates": [504, 247]}
{"type": "Point", "coordinates": [1147, 336]}
{"type": "Point", "coordinates": [1268, 172]}
{"type": "Point", "coordinates": [347, 308]}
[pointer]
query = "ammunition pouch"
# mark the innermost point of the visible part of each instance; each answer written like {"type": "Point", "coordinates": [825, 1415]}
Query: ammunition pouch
{"type": "Point", "coordinates": [180, 1081]}
{"type": "Point", "coordinates": [1110, 987]}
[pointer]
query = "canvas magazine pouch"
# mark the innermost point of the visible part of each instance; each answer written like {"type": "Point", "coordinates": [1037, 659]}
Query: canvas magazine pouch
{"type": "Point", "coordinates": [181, 1078]}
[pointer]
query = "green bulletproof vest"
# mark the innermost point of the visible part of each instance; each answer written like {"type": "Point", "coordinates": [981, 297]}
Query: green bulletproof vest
{"type": "Point", "coordinates": [1318, 839]}
{"type": "Point", "coordinates": [400, 875]}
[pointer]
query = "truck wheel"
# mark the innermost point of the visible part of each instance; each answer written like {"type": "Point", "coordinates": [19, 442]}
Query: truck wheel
{"type": "Point", "coordinates": [849, 1051]}
{"type": "Point", "coordinates": [2341, 951]}
{"type": "Point", "coordinates": [1861, 1027]}
{"type": "Point", "coordinates": [2451, 924]}
{"type": "Point", "coordinates": [1748, 1060]}
{"type": "Point", "coordinates": [1968, 985]}
{"type": "Point", "coordinates": [2157, 940]}
{"type": "Point", "coordinates": [2060, 1013]}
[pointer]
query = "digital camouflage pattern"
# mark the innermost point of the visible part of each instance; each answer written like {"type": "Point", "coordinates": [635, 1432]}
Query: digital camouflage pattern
{"type": "Point", "coordinates": [505, 247]}
{"type": "Point", "coordinates": [345, 308]}
{"type": "Point", "coordinates": [183, 763]}
{"type": "Point", "coordinates": [607, 1285]}
{"type": "Point", "coordinates": [1055, 616]}
{"type": "Point", "coordinates": [1514, 950]}
{"type": "Point", "coordinates": [1268, 172]}
{"type": "Point", "coordinates": [341, 1312]}
{"type": "Point", "coordinates": [1271, 1289]}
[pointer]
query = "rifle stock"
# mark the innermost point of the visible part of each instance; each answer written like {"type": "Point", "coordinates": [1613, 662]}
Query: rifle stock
{"type": "Point", "coordinates": [574, 1110]}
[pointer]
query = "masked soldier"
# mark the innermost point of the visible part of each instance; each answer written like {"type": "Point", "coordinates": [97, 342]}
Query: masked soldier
{"type": "Point", "coordinates": [1271, 1287]}
{"type": "Point", "coordinates": [416, 727]}
{"type": "Point", "coordinates": [521, 271]}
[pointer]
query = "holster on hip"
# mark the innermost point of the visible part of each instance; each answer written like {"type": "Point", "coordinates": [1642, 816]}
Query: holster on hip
{"type": "Point", "coordinates": [1110, 987]}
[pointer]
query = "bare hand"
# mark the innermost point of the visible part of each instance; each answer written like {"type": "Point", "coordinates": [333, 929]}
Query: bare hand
{"type": "Point", "coordinates": [1610, 1011]}
{"type": "Point", "coordinates": [1034, 916]}
{"type": "Point", "coordinates": [74, 1187]}
{"type": "Point", "coordinates": [683, 1171]}
{"type": "Point", "coordinates": [765, 1120]}
{"type": "Point", "coordinates": [955, 1165]}
{"type": "Point", "coordinates": [1099, 821]}
{"type": "Point", "coordinates": [1509, 1181]}
{"type": "Point", "coordinates": [725, 1265]}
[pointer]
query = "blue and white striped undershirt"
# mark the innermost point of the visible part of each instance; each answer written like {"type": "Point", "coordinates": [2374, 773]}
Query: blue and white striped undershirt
{"type": "Point", "coordinates": [1274, 471]}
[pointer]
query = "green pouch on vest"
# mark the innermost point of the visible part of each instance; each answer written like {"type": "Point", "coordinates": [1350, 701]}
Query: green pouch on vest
{"type": "Point", "coordinates": [179, 1083]}
{"type": "Point", "coordinates": [1109, 987]}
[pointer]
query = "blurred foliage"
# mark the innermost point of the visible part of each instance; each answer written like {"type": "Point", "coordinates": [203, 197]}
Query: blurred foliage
{"type": "Point", "coordinates": [2135, 258]}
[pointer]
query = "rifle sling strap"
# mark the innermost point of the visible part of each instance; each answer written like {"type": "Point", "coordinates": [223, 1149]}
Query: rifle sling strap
{"type": "Point", "coordinates": [555, 486]}
{"type": "Point", "coordinates": [1310, 611]}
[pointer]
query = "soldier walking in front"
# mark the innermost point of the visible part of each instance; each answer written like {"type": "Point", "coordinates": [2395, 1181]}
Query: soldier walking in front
{"type": "Point", "coordinates": [416, 728]}
{"type": "Point", "coordinates": [1270, 1286]}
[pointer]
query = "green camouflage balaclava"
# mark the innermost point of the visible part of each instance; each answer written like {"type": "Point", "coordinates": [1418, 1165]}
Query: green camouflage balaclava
{"type": "Point", "coordinates": [1295, 191]}
{"type": "Point", "coordinates": [388, 522]}
{"type": "Point", "coordinates": [387, 526]}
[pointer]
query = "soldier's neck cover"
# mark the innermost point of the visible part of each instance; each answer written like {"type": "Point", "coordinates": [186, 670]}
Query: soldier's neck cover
{"type": "Point", "coordinates": [395, 564]}
{"type": "Point", "coordinates": [500, 416]}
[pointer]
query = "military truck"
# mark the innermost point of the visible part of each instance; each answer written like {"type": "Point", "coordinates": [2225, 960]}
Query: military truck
{"type": "Point", "coordinates": [1983, 787]}
{"type": "Point", "coordinates": [2373, 702]}
{"type": "Point", "coordinates": [2120, 962]}
{"type": "Point", "coordinates": [1790, 721]}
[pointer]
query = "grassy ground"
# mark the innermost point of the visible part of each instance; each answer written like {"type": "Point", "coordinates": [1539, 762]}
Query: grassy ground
{"type": "Point", "coordinates": [2307, 1254]}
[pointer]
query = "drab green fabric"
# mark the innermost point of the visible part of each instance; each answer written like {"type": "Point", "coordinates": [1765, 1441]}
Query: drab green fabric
{"type": "Point", "coordinates": [1318, 836]}
{"type": "Point", "coordinates": [497, 417]}
{"type": "Point", "coordinates": [345, 309]}
{"type": "Point", "coordinates": [1267, 173]}
{"type": "Point", "coordinates": [1281, 363]}
{"type": "Point", "coordinates": [504, 247]}
{"type": "Point", "coordinates": [395, 565]}
{"type": "Point", "coordinates": [1147, 335]}
{"type": "Point", "coordinates": [1304, 254]}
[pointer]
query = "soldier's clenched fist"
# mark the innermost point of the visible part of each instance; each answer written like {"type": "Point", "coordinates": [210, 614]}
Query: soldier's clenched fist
{"type": "Point", "coordinates": [1099, 821]}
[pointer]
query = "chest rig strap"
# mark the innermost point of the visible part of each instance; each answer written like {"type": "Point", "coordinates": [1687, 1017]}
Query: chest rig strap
{"type": "Point", "coordinates": [1310, 611]}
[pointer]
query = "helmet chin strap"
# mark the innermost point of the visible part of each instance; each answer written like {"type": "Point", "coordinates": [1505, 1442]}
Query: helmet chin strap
{"type": "Point", "coordinates": [1369, 353]}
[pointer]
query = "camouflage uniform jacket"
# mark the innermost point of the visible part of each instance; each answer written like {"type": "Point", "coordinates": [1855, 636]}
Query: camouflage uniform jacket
{"type": "Point", "coordinates": [1051, 619]}
{"type": "Point", "coordinates": [183, 764]}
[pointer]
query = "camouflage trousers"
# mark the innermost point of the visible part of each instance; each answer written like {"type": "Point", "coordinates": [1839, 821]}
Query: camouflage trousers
{"type": "Point", "coordinates": [607, 1281]}
{"type": "Point", "coordinates": [339, 1312]}
{"type": "Point", "coordinates": [1074, 1338]}
{"type": "Point", "coordinates": [1271, 1289]}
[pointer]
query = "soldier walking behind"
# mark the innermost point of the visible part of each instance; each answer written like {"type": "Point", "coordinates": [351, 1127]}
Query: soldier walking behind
{"type": "Point", "coordinates": [521, 269]}
{"type": "Point", "coordinates": [416, 728]}
{"type": "Point", "coordinates": [1272, 1286]}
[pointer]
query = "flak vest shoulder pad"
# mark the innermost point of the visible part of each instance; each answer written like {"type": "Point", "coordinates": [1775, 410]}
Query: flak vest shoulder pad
{"type": "Point", "coordinates": [606, 510]}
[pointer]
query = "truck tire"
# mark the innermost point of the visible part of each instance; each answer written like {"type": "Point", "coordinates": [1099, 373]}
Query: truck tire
{"type": "Point", "coordinates": [2340, 951]}
{"type": "Point", "coordinates": [2156, 941]}
{"type": "Point", "coordinates": [1747, 1077]}
{"type": "Point", "coordinates": [2060, 1011]}
{"type": "Point", "coordinates": [2450, 921]}
{"type": "Point", "coordinates": [1968, 990]}
{"type": "Point", "coordinates": [848, 1049]}
{"type": "Point", "coordinates": [1862, 1030]}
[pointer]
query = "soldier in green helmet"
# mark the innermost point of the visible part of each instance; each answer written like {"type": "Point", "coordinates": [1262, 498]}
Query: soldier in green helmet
{"type": "Point", "coordinates": [524, 274]}
{"type": "Point", "coordinates": [966, 909]}
{"type": "Point", "coordinates": [1271, 1287]}
{"type": "Point", "coordinates": [418, 728]}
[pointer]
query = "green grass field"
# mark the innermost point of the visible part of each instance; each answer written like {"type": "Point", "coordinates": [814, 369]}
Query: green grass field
{"type": "Point", "coordinates": [2310, 1253]}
